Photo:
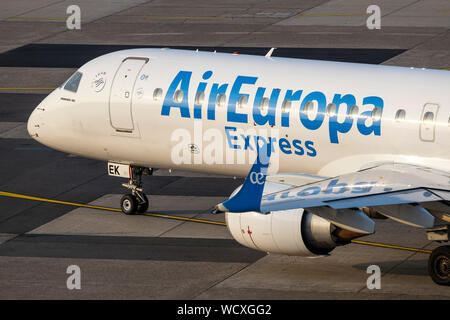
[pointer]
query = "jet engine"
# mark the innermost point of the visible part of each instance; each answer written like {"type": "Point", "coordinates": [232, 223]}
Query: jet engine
{"type": "Point", "coordinates": [295, 232]}
{"type": "Point", "coordinates": [292, 232]}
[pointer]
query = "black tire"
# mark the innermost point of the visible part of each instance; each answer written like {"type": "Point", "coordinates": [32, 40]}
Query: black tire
{"type": "Point", "coordinates": [439, 265]}
{"type": "Point", "coordinates": [142, 207]}
{"type": "Point", "coordinates": [129, 204]}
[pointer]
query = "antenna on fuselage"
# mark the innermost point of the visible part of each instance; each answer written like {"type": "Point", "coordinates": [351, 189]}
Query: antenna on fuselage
{"type": "Point", "coordinates": [269, 54]}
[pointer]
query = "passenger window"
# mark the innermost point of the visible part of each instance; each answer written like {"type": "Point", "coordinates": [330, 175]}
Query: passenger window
{"type": "Point", "coordinates": [354, 112]}
{"type": "Point", "coordinates": [74, 81]}
{"type": "Point", "coordinates": [221, 100]}
{"type": "Point", "coordinates": [286, 106]}
{"type": "Point", "coordinates": [428, 117]}
{"type": "Point", "coordinates": [376, 114]}
{"type": "Point", "coordinates": [264, 104]}
{"type": "Point", "coordinates": [199, 97]}
{"type": "Point", "coordinates": [331, 109]}
{"type": "Point", "coordinates": [242, 102]}
{"type": "Point", "coordinates": [157, 94]}
{"type": "Point", "coordinates": [308, 109]}
{"type": "Point", "coordinates": [178, 96]}
{"type": "Point", "coordinates": [400, 115]}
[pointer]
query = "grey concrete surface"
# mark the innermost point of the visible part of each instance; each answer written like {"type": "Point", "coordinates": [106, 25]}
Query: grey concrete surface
{"type": "Point", "coordinates": [45, 278]}
{"type": "Point", "coordinates": [344, 272]}
{"type": "Point", "coordinates": [144, 257]}
{"type": "Point", "coordinates": [18, 7]}
{"type": "Point", "coordinates": [433, 54]}
{"type": "Point", "coordinates": [24, 21]}
{"type": "Point", "coordinates": [419, 26]}
{"type": "Point", "coordinates": [32, 80]}
{"type": "Point", "coordinates": [14, 130]}
{"type": "Point", "coordinates": [5, 237]}
{"type": "Point", "coordinates": [402, 13]}
{"type": "Point", "coordinates": [342, 275]}
{"type": "Point", "coordinates": [90, 11]}
{"type": "Point", "coordinates": [85, 221]}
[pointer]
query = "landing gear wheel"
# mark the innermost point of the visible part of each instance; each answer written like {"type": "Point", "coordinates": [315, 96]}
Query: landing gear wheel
{"type": "Point", "coordinates": [129, 204]}
{"type": "Point", "coordinates": [439, 265]}
{"type": "Point", "coordinates": [137, 201]}
{"type": "Point", "coordinates": [143, 206]}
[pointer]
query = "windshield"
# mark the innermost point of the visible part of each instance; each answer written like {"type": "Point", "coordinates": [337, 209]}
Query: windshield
{"type": "Point", "coordinates": [73, 83]}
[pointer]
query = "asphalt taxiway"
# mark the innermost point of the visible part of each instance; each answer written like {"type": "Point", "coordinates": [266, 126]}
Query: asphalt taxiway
{"type": "Point", "coordinates": [157, 256]}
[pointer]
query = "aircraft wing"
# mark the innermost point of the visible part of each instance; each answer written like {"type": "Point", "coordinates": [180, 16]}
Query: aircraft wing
{"type": "Point", "coordinates": [403, 192]}
{"type": "Point", "coordinates": [294, 178]}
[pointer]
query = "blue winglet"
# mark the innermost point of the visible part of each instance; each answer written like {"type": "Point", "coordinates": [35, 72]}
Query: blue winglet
{"type": "Point", "coordinates": [248, 198]}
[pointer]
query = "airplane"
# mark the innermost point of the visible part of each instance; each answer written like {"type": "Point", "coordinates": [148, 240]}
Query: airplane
{"type": "Point", "coordinates": [326, 147]}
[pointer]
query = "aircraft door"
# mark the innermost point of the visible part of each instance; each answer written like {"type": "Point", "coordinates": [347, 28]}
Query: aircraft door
{"type": "Point", "coordinates": [428, 122]}
{"type": "Point", "coordinates": [120, 99]}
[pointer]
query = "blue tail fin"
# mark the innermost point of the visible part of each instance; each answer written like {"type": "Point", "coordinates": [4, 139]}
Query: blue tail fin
{"type": "Point", "coordinates": [248, 198]}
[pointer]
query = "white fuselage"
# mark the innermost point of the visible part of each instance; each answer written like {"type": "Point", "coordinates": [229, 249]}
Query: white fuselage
{"type": "Point", "coordinates": [143, 107]}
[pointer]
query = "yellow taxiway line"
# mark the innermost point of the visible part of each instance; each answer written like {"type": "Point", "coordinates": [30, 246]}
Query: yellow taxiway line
{"type": "Point", "coordinates": [21, 196]}
{"type": "Point", "coordinates": [390, 246]}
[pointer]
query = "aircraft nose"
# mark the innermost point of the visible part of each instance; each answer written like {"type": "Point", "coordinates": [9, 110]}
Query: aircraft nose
{"type": "Point", "coordinates": [34, 122]}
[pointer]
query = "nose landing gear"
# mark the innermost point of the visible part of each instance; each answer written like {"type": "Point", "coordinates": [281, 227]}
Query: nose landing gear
{"type": "Point", "coordinates": [137, 201]}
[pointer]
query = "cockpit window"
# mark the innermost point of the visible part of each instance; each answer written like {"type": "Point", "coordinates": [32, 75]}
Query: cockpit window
{"type": "Point", "coordinates": [63, 84]}
{"type": "Point", "coordinates": [74, 81]}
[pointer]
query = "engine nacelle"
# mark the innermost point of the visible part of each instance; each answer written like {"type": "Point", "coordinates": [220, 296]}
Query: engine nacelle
{"type": "Point", "coordinates": [292, 232]}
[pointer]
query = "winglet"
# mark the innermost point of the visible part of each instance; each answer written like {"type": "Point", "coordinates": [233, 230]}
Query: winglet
{"type": "Point", "coordinates": [248, 198]}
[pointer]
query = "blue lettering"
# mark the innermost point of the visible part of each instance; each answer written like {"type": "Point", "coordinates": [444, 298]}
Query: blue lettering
{"type": "Point", "coordinates": [291, 97]}
{"type": "Point", "coordinates": [345, 126]}
{"type": "Point", "coordinates": [272, 141]}
{"type": "Point", "coordinates": [198, 107]}
{"type": "Point", "coordinates": [285, 145]}
{"type": "Point", "coordinates": [247, 144]}
{"type": "Point", "coordinates": [334, 184]}
{"type": "Point", "coordinates": [235, 94]}
{"type": "Point", "coordinates": [270, 116]}
{"type": "Point", "coordinates": [311, 150]}
{"type": "Point", "coordinates": [215, 91]}
{"type": "Point", "coordinates": [377, 102]}
{"type": "Point", "coordinates": [367, 123]}
{"type": "Point", "coordinates": [298, 146]}
{"type": "Point", "coordinates": [309, 192]}
{"type": "Point", "coordinates": [285, 195]}
{"type": "Point", "coordinates": [201, 88]}
{"type": "Point", "coordinates": [181, 80]}
{"type": "Point", "coordinates": [229, 131]}
{"type": "Point", "coordinates": [362, 187]}
{"type": "Point", "coordinates": [321, 101]}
